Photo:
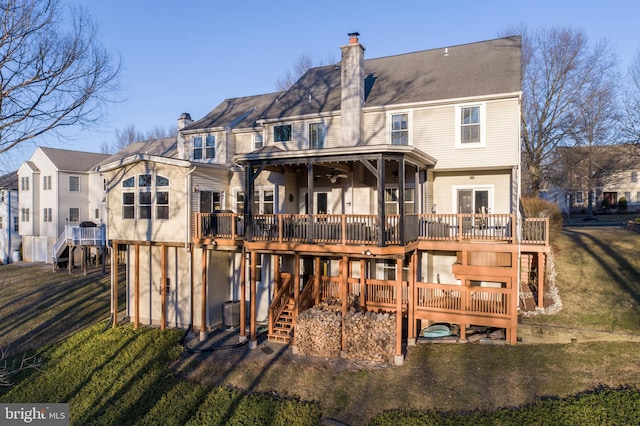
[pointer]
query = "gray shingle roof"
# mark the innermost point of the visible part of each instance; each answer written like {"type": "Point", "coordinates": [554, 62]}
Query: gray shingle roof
{"type": "Point", "coordinates": [164, 147]}
{"type": "Point", "coordinates": [467, 70]}
{"type": "Point", "coordinates": [235, 113]}
{"type": "Point", "coordinates": [475, 69]}
{"type": "Point", "coordinates": [9, 181]}
{"type": "Point", "coordinates": [68, 160]}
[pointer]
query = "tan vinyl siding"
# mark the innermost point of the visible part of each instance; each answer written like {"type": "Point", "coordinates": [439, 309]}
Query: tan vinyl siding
{"type": "Point", "coordinates": [169, 230]}
{"type": "Point", "coordinates": [374, 131]}
{"type": "Point", "coordinates": [243, 143]}
{"type": "Point", "coordinates": [498, 183]}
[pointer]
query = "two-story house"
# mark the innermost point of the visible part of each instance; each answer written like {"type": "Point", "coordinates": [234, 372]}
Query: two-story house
{"type": "Point", "coordinates": [393, 180]}
{"type": "Point", "coordinates": [57, 191]}
{"type": "Point", "coordinates": [10, 239]}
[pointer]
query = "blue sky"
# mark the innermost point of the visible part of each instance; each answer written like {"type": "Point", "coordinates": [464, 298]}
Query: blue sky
{"type": "Point", "coordinates": [189, 56]}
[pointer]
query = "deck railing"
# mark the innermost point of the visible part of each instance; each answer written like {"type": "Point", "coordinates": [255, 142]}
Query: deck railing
{"type": "Point", "coordinates": [460, 299]}
{"type": "Point", "coordinates": [366, 230]}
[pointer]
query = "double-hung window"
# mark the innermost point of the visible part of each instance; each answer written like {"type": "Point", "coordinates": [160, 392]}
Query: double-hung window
{"type": "Point", "coordinates": [197, 148]}
{"type": "Point", "coordinates": [46, 183]}
{"type": "Point", "coordinates": [25, 215]}
{"type": "Point", "coordinates": [24, 183]}
{"type": "Point", "coordinates": [470, 126]}
{"type": "Point", "coordinates": [74, 214]}
{"type": "Point", "coordinates": [316, 135]}
{"type": "Point", "coordinates": [257, 141]}
{"type": "Point", "coordinates": [399, 129]}
{"type": "Point", "coordinates": [74, 183]}
{"type": "Point", "coordinates": [210, 146]}
{"type": "Point", "coordinates": [47, 214]}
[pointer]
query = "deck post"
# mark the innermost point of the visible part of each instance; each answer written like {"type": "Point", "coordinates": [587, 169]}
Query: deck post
{"type": "Point", "coordinates": [203, 302]}
{"type": "Point", "coordinates": [114, 281]}
{"type": "Point", "coordinates": [163, 289]}
{"type": "Point", "coordinates": [243, 298]}
{"type": "Point", "coordinates": [317, 291]}
{"type": "Point", "coordinates": [136, 284]}
{"type": "Point", "coordinates": [253, 339]}
{"type": "Point", "coordinates": [541, 273]}
{"type": "Point", "coordinates": [363, 282]}
{"type": "Point", "coordinates": [411, 320]}
{"type": "Point", "coordinates": [398, 359]}
{"type": "Point", "coordinates": [344, 291]}
{"type": "Point", "coordinates": [296, 293]}
{"type": "Point", "coordinates": [191, 286]}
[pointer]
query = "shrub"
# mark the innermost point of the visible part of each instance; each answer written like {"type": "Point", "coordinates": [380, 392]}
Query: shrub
{"type": "Point", "coordinates": [538, 207]}
{"type": "Point", "coordinates": [622, 205]}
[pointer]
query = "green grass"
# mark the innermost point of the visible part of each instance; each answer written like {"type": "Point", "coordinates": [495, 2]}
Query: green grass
{"type": "Point", "coordinates": [122, 376]}
{"type": "Point", "coordinates": [125, 376]}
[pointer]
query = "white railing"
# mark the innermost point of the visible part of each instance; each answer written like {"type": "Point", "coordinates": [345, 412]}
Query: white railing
{"type": "Point", "coordinates": [79, 236]}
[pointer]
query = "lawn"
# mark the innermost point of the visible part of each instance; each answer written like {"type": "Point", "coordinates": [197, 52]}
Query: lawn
{"type": "Point", "coordinates": [124, 376]}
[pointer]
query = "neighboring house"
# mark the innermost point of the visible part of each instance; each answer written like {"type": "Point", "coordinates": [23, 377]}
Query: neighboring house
{"type": "Point", "coordinates": [369, 178]}
{"type": "Point", "coordinates": [57, 193]}
{"type": "Point", "coordinates": [10, 239]}
{"type": "Point", "coordinates": [609, 172]}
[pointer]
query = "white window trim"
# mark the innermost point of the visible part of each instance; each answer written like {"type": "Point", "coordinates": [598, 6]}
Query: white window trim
{"type": "Point", "coordinates": [79, 183]}
{"type": "Point", "coordinates": [409, 113]}
{"type": "Point", "coordinates": [254, 139]}
{"type": "Point", "coordinates": [483, 126]}
{"type": "Point", "coordinates": [480, 187]}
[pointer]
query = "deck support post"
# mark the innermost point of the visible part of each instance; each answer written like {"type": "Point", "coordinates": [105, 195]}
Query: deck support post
{"type": "Point", "coordinates": [317, 291]}
{"type": "Point", "coordinates": [398, 359]}
{"type": "Point", "coordinates": [363, 282]}
{"type": "Point", "coordinates": [296, 293]}
{"type": "Point", "coordinates": [253, 339]}
{"type": "Point", "coordinates": [344, 292]}
{"type": "Point", "coordinates": [203, 302]}
{"type": "Point", "coordinates": [136, 286]}
{"type": "Point", "coordinates": [114, 283]}
{"type": "Point", "coordinates": [540, 278]}
{"type": "Point", "coordinates": [163, 284]}
{"type": "Point", "coordinates": [411, 319]}
{"type": "Point", "coordinates": [243, 298]}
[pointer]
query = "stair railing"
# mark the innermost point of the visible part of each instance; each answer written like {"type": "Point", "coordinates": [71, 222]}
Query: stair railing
{"type": "Point", "coordinates": [280, 300]}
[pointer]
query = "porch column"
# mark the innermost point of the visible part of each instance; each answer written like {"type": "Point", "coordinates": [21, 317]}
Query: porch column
{"type": "Point", "coordinates": [512, 335]}
{"type": "Point", "coordinates": [344, 291]}
{"type": "Point", "coordinates": [253, 339]}
{"type": "Point", "coordinates": [402, 184]}
{"type": "Point", "coordinates": [310, 205]}
{"type": "Point", "coordinates": [203, 302]}
{"type": "Point", "coordinates": [398, 359]}
{"type": "Point", "coordinates": [114, 281]}
{"type": "Point", "coordinates": [243, 298]}
{"type": "Point", "coordinates": [136, 285]}
{"type": "Point", "coordinates": [381, 206]}
{"type": "Point", "coordinates": [276, 273]}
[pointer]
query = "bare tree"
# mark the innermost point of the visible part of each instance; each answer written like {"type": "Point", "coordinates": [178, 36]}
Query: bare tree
{"type": "Point", "coordinates": [53, 73]}
{"type": "Point", "coordinates": [559, 68]}
{"type": "Point", "coordinates": [631, 120]}
{"type": "Point", "coordinates": [128, 135]}
{"type": "Point", "coordinates": [303, 64]}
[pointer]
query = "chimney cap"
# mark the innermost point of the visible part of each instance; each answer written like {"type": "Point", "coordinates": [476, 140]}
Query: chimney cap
{"type": "Point", "coordinates": [185, 116]}
{"type": "Point", "coordinates": [353, 37]}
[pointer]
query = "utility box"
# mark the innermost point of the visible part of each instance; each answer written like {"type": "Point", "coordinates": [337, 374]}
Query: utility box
{"type": "Point", "coordinates": [231, 313]}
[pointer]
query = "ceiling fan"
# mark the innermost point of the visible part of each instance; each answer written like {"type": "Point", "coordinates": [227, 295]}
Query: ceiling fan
{"type": "Point", "coordinates": [335, 175]}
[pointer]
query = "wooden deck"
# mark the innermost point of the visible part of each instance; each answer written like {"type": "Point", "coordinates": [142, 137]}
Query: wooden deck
{"type": "Point", "coordinates": [364, 230]}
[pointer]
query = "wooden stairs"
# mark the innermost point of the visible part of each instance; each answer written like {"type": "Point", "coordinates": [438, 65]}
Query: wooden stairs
{"type": "Point", "coordinates": [282, 331]}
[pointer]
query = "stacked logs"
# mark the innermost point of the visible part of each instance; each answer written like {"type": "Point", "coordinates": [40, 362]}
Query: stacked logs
{"type": "Point", "coordinates": [369, 336]}
{"type": "Point", "coordinates": [318, 331]}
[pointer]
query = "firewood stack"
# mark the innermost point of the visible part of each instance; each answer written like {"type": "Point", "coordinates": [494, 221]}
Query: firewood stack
{"type": "Point", "coordinates": [318, 332]}
{"type": "Point", "coordinates": [370, 336]}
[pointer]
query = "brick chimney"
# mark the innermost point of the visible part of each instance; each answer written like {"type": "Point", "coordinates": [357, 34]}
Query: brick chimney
{"type": "Point", "coordinates": [352, 77]}
{"type": "Point", "coordinates": [183, 150]}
